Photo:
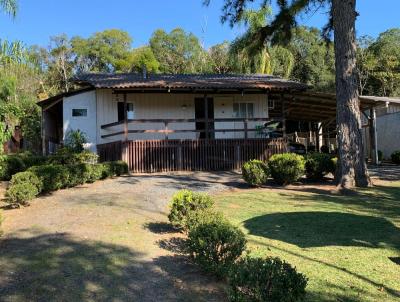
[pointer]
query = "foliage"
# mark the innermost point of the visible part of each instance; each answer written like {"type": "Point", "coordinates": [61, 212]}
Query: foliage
{"type": "Point", "coordinates": [286, 168]}
{"type": "Point", "coordinates": [270, 279]}
{"type": "Point", "coordinates": [183, 203]}
{"type": "Point", "coordinates": [9, 6]}
{"type": "Point", "coordinates": [314, 59]}
{"type": "Point", "coordinates": [23, 187]}
{"type": "Point", "coordinates": [11, 165]}
{"type": "Point", "coordinates": [177, 51]}
{"type": "Point", "coordinates": [53, 177]}
{"type": "Point", "coordinates": [101, 52]}
{"type": "Point", "coordinates": [139, 58]}
{"type": "Point", "coordinates": [75, 140]}
{"type": "Point", "coordinates": [78, 174]}
{"type": "Point", "coordinates": [255, 172]}
{"type": "Point", "coordinates": [215, 245]}
{"type": "Point", "coordinates": [96, 172]}
{"type": "Point", "coordinates": [66, 156]}
{"type": "Point", "coordinates": [120, 167]}
{"type": "Point", "coordinates": [219, 58]}
{"type": "Point", "coordinates": [317, 165]}
{"type": "Point", "coordinates": [396, 157]}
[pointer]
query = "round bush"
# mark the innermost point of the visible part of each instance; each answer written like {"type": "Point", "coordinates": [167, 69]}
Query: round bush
{"type": "Point", "coordinates": [23, 186]}
{"type": "Point", "coordinates": [120, 167]}
{"type": "Point", "coordinates": [317, 165]}
{"type": "Point", "coordinates": [255, 172]}
{"type": "Point", "coordinates": [270, 279]}
{"type": "Point", "coordinates": [286, 168]}
{"type": "Point", "coordinates": [183, 203]}
{"type": "Point", "coordinates": [396, 157]}
{"type": "Point", "coordinates": [201, 216]}
{"type": "Point", "coordinates": [53, 177]}
{"type": "Point", "coordinates": [215, 245]}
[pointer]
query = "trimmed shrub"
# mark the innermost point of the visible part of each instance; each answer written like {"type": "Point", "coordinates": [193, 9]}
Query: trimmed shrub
{"type": "Point", "coordinates": [75, 140]}
{"type": "Point", "coordinates": [120, 167]}
{"type": "Point", "coordinates": [108, 170]}
{"type": "Point", "coordinates": [270, 279]}
{"type": "Point", "coordinates": [53, 177]}
{"type": "Point", "coordinates": [78, 174]}
{"type": "Point", "coordinates": [317, 165]}
{"type": "Point", "coordinates": [286, 168]}
{"type": "Point", "coordinates": [23, 187]}
{"type": "Point", "coordinates": [396, 157]}
{"type": "Point", "coordinates": [183, 203]}
{"type": "Point", "coordinates": [255, 172]}
{"type": "Point", "coordinates": [11, 165]}
{"type": "Point", "coordinates": [215, 245]}
{"type": "Point", "coordinates": [66, 156]}
{"type": "Point", "coordinates": [201, 216]}
{"type": "Point", "coordinates": [95, 172]}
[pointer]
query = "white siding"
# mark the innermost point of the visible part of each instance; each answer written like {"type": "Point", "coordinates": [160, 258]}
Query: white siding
{"type": "Point", "coordinates": [172, 106]}
{"type": "Point", "coordinates": [86, 100]}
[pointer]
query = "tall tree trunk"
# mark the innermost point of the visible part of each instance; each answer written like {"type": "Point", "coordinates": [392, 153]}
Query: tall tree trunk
{"type": "Point", "coordinates": [352, 169]}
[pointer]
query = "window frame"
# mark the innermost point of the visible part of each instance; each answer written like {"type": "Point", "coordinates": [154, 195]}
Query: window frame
{"type": "Point", "coordinates": [127, 110]}
{"type": "Point", "coordinates": [243, 105]}
{"type": "Point", "coordinates": [79, 116]}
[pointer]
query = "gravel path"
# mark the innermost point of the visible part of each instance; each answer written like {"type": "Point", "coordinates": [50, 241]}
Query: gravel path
{"type": "Point", "coordinates": [107, 241]}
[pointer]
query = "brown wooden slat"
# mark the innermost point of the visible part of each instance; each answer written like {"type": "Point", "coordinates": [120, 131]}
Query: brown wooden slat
{"type": "Point", "coordinates": [190, 155]}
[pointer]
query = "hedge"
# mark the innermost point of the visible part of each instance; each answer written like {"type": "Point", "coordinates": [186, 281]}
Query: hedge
{"type": "Point", "coordinates": [317, 165]}
{"type": "Point", "coordinates": [12, 164]}
{"type": "Point", "coordinates": [396, 157]}
{"type": "Point", "coordinates": [24, 186]}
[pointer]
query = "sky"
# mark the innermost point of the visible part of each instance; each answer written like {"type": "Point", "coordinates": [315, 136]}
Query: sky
{"type": "Point", "coordinates": [38, 20]}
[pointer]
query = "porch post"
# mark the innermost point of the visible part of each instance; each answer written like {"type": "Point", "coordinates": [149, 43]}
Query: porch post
{"type": "Point", "coordinates": [373, 136]}
{"type": "Point", "coordinates": [125, 119]}
{"type": "Point", "coordinates": [124, 154]}
{"type": "Point", "coordinates": [283, 116]}
{"type": "Point", "coordinates": [43, 133]}
{"type": "Point", "coordinates": [206, 115]}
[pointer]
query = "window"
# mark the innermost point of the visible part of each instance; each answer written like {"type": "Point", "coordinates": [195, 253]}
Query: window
{"type": "Point", "coordinates": [130, 113]}
{"type": "Point", "coordinates": [79, 112]}
{"type": "Point", "coordinates": [243, 110]}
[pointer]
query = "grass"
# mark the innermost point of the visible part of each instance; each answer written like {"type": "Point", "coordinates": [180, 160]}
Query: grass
{"type": "Point", "coordinates": [347, 246]}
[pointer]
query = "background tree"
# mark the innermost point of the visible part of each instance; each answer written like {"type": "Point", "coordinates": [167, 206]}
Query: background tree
{"type": "Point", "coordinates": [219, 58]}
{"type": "Point", "coordinates": [101, 52]}
{"type": "Point", "coordinates": [352, 170]}
{"type": "Point", "coordinates": [314, 59]}
{"type": "Point", "coordinates": [177, 51]}
{"type": "Point", "coordinates": [9, 7]}
{"type": "Point", "coordinates": [366, 62]}
{"type": "Point", "coordinates": [139, 58]}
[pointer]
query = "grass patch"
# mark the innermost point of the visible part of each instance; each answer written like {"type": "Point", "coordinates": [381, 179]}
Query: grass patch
{"type": "Point", "coordinates": [344, 244]}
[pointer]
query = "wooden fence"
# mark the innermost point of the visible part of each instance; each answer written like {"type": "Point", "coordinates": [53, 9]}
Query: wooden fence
{"type": "Point", "coordinates": [147, 156]}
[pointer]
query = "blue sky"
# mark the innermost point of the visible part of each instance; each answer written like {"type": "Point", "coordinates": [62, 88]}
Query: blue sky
{"type": "Point", "coordinates": [38, 20]}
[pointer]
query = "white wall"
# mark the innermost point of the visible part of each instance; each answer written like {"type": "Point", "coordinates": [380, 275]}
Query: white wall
{"type": "Point", "coordinates": [173, 106]}
{"type": "Point", "coordinates": [86, 100]}
{"type": "Point", "coordinates": [388, 132]}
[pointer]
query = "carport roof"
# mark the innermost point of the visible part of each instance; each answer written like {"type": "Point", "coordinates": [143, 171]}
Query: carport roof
{"type": "Point", "coordinates": [318, 107]}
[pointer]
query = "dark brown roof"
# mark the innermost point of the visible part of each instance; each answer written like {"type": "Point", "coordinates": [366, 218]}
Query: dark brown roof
{"type": "Point", "coordinates": [187, 81]}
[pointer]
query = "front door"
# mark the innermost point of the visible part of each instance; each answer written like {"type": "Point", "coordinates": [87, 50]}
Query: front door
{"type": "Point", "coordinates": [200, 113]}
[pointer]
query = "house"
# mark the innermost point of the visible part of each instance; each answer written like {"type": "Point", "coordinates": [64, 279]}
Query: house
{"type": "Point", "coordinates": [164, 122]}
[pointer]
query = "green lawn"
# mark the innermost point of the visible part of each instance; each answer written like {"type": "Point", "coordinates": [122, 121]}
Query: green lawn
{"type": "Point", "coordinates": [346, 245]}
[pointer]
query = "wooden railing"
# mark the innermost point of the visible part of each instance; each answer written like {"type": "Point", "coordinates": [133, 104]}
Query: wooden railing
{"type": "Point", "coordinates": [146, 156]}
{"type": "Point", "coordinates": [208, 129]}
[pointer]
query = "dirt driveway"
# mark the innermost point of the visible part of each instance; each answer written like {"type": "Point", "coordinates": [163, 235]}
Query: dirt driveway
{"type": "Point", "coordinates": [107, 241]}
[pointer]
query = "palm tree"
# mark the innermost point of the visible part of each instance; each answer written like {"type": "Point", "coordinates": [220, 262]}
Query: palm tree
{"type": "Point", "coordinates": [10, 7]}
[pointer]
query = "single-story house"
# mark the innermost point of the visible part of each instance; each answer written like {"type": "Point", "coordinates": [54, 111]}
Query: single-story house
{"type": "Point", "coordinates": [159, 122]}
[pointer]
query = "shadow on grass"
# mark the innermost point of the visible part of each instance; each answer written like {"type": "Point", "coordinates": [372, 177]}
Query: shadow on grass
{"type": "Point", "coordinates": [319, 229]}
{"type": "Point", "coordinates": [60, 268]}
{"type": "Point", "coordinates": [160, 227]}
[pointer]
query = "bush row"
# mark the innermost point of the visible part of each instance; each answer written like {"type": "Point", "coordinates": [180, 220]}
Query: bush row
{"type": "Point", "coordinates": [25, 186]}
{"type": "Point", "coordinates": [20, 162]}
{"type": "Point", "coordinates": [217, 246]}
{"type": "Point", "coordinates": [288, 168]}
